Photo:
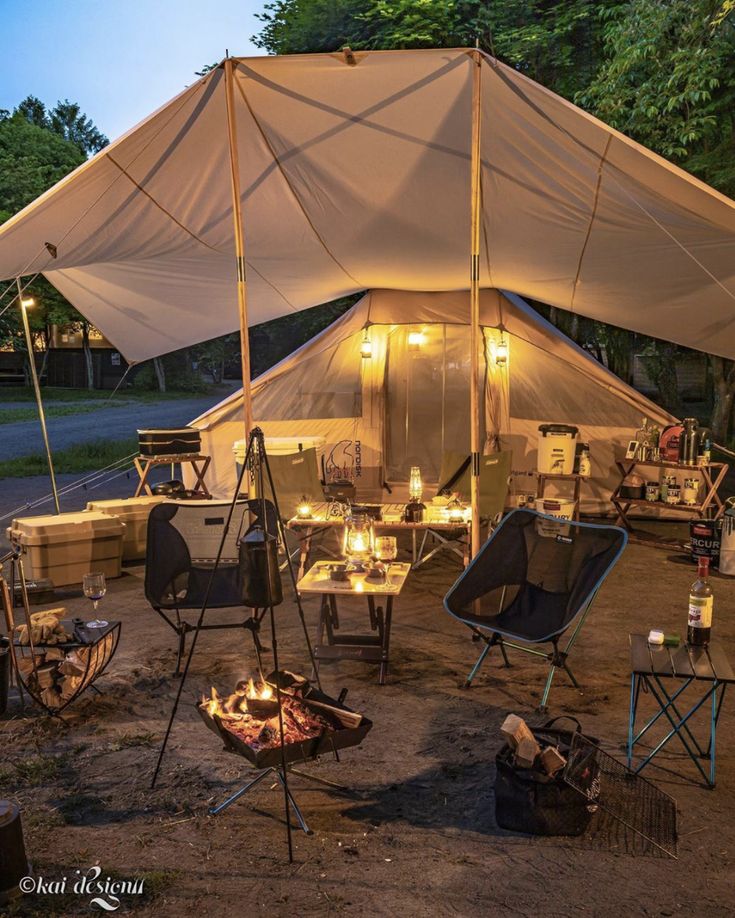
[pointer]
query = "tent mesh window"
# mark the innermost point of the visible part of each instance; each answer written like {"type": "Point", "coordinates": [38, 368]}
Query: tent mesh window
{"type": "Point", "coordinates": [427, 398]}
{"type": "Point", "coordinates": [627, 797]}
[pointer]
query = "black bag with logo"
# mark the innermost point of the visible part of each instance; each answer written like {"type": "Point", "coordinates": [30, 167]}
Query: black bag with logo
{"type": "Point", "coordinates": [530, 801]}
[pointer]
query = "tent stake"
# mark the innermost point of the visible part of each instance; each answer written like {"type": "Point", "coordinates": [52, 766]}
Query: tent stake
{"type": "Point", "coordinates": [242, 291]}
{"type": "Point", "coordinates": [476, 59]}
{"type": "Point", "coordinates": [37, 390]}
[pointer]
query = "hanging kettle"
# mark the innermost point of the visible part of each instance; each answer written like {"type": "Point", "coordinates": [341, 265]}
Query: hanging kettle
{"type": "Point", "coordinates": [260, 578]}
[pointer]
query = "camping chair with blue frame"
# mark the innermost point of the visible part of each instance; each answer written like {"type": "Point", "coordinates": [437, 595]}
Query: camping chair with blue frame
{"type": "Point", "coordinates": [532, 581]}
{"type": "Point", "coordinates": [454, 478]}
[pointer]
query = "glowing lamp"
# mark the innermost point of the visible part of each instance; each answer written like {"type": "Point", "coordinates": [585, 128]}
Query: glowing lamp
{"type": "Point", "coordinates": [415, 340]}
{"type": "Point", "coordinates": [501, 352]}
{"type": "Point", "coordinates": [303, 510]}
{"type": "Point", "coordinates": [366, 345]}
{"type": "Point", "coordinates": [27, 301]}
{"type": "Point", "coordinates": [455, 511]}
{"type": "Point", "coordinates": [359, 537]}
{"type": "Point", "coordinates": [415, 485]}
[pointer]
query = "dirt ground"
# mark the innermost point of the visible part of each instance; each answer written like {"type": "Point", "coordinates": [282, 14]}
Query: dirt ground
{"type": "Point", "coordinates": [415, 832]}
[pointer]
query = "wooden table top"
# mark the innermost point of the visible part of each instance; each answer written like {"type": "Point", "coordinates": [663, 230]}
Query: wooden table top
{"type": "Point", "coordinates": [683, 662]}
{"type": "Point", "coordinates": [392, 518]}
{"type": "Point", "coordinates": [317, 580]}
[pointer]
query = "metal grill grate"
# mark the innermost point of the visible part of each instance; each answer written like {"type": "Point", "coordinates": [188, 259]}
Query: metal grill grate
{"type": "Point", "coordinates": [627, 797]}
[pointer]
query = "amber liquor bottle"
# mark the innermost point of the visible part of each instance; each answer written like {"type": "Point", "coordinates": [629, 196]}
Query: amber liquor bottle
{"type": "Point", "coordinates": [700, 606]}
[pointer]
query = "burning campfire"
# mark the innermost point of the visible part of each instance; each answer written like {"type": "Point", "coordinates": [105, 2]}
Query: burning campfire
{"type": "Point", "coordinates": [313, 723]}
{"type": "Point", "coordinates": [251, 714]}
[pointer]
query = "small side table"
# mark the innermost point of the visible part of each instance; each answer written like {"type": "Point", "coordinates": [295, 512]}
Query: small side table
{"type": "Point", "coordinates": [544, 477]}
{"type": "Point", "coordinates": [144, 464]}
{"type": "Point", "coordinates": [370, 648]}
{"type": "Point", "coordinates": [707, 668]}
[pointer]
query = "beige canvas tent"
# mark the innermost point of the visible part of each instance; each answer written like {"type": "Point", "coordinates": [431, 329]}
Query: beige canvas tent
{"type": "Point", "coordinates": [356, 176]}
{"type": "Point", "coordinates": [277, 183]}
{"type": "Point", "coordinates": [406, 403]}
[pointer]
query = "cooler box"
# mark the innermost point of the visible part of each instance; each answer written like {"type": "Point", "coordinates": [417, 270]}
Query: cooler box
{"type": "Point", "coordinates": [133, 513]}
{"type": "Point", "coordinates": [65, 547]}
{"type": "Point", "coordinates": [180, 441]}
{"type": "Point", "coordinates": [557, 446]}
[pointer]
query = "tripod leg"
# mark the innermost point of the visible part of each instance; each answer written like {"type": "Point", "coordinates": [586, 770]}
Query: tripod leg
{"type": "Point", "coordinates": [294, 805]}
{"type": "Point", "coordinates": [214, 810]}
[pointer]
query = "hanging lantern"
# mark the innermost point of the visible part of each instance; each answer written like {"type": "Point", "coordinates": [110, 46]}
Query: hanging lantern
{"type": "Point", "coordinates": [415, 340]}
{"type": "Point", "coordinates": [303, 509]}
{"type": "Point", "coordinates": [359, 537]}
{"type": "Point", "coordinates": [501, 352]}
{"type": "Point", "coordinates": [415, 485]}
{"type": "Point", "coordinates": [366, 346]}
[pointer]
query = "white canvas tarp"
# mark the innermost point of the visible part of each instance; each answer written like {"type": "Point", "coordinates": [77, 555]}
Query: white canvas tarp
{"type": "Point", "coordinates": [404, 406]}
{"type": "Point", "coordinates": [355, 177]}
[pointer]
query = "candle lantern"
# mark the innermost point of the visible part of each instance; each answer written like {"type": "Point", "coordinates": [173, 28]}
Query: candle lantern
{"type": "Point", "coordinates": [303, 509]}
{"type": "Point", "coordinates": [501, 352]}
{"type": "Point", "coordinates": [455, 512]}
{"type": "Point", "coordinates": [359, 537]}
{"type": "Point", "coordinates": [415, 485]}
{"type": "Point", "coordinates": [414, 508]}
{"type": "Point", "coordinates": [366, 345]}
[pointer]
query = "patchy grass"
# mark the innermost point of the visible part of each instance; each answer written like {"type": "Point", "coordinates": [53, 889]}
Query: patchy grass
{"type": "Point", "coordinates": [129, 740]}
{"type": "Point", "coordinates": [58, 394]}
{"type": "Point", "coordinates": [84, 457]}
{"type": "Point", "coordinates": [13, 415]}
{"type": "Point", "coordinates": [33, 771]}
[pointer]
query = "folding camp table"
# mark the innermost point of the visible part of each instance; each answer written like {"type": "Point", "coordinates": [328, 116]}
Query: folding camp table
{"type": "Point", "coordinates": [368, 648]}
{"type": "Point", "coordinates": [391, 521]}
{"type": "Point", "coordinates": [144, 464]}
{"type": "Point", "coordinates": [652, 667]}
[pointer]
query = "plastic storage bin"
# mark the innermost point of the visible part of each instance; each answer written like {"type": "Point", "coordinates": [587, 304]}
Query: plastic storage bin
{"type": "Point", "coordinates": [64, 548]}
{"type": "Point", "coordinates": [133, 512]}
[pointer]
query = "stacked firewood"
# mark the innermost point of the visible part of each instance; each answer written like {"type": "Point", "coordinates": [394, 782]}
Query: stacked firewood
{"type": "Point", "coordinates": [527, 753]}
{"type": "Point", "coordinates": [51, 673]}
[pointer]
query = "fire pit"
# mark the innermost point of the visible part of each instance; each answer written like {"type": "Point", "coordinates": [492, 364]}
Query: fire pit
{"type": "Point", "coordinates": [313, 724]}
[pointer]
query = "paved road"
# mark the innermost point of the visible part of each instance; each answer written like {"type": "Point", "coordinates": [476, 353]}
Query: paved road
{"type": "Point", "coordinates": [24, 437]}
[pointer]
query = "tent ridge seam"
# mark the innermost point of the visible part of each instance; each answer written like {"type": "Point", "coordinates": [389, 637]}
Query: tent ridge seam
{"type": "Point", "coordinates": [595, 202]}
{"type": "Point", "coordinates": [290, 187]}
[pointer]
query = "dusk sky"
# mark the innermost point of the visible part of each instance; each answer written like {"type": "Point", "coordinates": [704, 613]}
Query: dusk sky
{"type": "Point", "coordinates": [118, 60]}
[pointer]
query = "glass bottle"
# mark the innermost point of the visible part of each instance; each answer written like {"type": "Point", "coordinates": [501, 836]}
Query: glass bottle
{"type": "Point", "coordinates": [700, 606]}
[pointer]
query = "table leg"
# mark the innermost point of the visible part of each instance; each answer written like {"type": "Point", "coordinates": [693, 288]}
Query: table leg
{"type": "Point", "coordinates": [143, 474]}
{"type": "Point", "coordinates": [634, 686]}
{"type": "Point", "coordinates": [199, 485]}
{"type": "Point", "coordinates": [713, 735]}
{"type": "Point", "coordinates": [386, 639]}
{"type": "Point", "coordinates": [304, 549]}
{"type": "Point", "coordinates": [413, 547]}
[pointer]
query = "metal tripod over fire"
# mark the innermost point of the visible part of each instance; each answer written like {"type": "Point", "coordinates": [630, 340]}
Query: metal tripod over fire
{"type": "Point", "coordinates": [261, 589]}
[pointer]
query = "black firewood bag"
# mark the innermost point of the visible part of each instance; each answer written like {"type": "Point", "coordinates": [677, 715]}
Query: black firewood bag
{"type": "Point", "coordinates": [530, 801]}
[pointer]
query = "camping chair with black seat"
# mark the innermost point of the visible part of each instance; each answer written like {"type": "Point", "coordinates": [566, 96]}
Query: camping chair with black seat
{"type": "Point", "coordinates": [183, 540]}
{"type": "Point", "coordinates": [532, 581]}
{"type": "Point", "coordinates": [295, 477]}
{"type": "Point", "coordinates": [454, 478]}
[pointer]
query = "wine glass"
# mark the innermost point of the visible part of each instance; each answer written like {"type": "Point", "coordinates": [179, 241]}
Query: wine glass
{"type": "Point", "coordinates": [94, 587]}
{"type": "Point", "coordinates": [386, 549]}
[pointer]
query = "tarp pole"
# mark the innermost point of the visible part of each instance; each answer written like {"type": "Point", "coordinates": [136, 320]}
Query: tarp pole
{"type": "Point", "coordinates": [475, 337]}
{"type": "Point", "coordinates": [37, 390]}
{"type": "Point", "coordinates": [242, 288]}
